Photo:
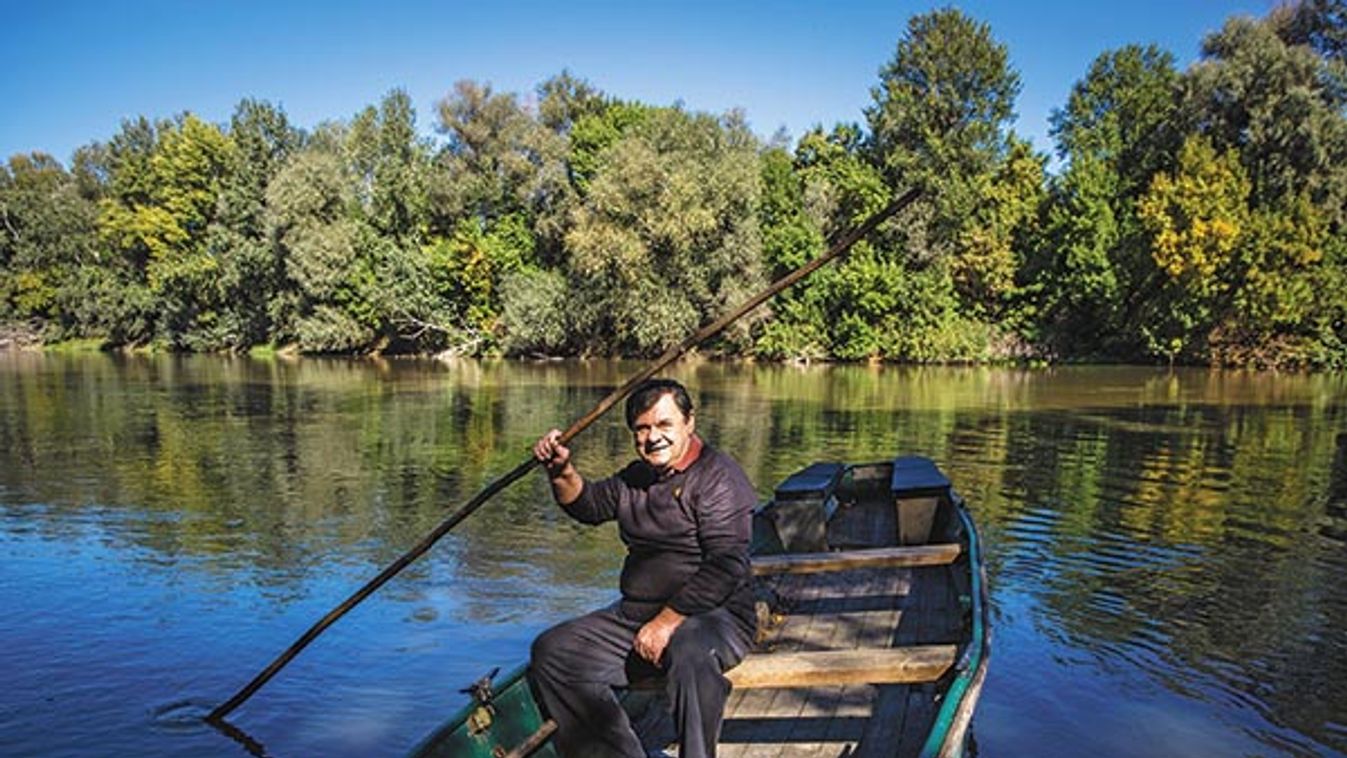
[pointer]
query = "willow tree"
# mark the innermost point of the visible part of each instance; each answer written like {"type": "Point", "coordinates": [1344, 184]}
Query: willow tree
{"type": "Point", "coordinates": [501, 195]}
{"type": "Point", "coordinates": [1275, 91]}
{"type": "Point", "coordinates": [667, 235]}
{"type": "Point", "coordinates": [310, 215]}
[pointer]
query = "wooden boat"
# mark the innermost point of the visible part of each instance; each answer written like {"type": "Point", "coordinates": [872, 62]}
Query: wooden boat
{"type": "Point", "coordinates": [873, 639]}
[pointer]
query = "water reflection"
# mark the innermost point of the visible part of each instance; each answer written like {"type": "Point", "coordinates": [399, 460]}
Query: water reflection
{"type": "Point", "coordinates": [1166, 547]}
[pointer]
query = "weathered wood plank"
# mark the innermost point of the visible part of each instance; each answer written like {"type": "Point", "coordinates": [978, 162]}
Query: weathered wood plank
{"type": "Point", "coordinates": [881, 604]}
{"type": "Point", "coordinates": [844, 560]}
{"type": "Point", "coordinates": [915, 517]}
{"type": "Point", "coordinates": [929, 602]}
{"type": "Point", "coordinates": [829, 632]}
{"type": "Point", "coordinates": [901, 665]}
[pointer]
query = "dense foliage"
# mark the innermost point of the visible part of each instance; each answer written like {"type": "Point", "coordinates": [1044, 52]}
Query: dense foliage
{"type": "Point", "coordinates": [1198, 216]}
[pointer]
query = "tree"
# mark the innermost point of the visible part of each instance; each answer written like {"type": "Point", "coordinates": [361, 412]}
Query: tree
{"type": "Point", "coordinates": [391, 167]}
{"type": "Point", "coordinates": [499, 159]}
{"type": "Point", "coordinates": [1196, 218]}
{"type": "Point", "coordinates": [988, 246]}
{"type": "Point", "coordinates": [565, 99]}
{"type": "Point", "coordinates": [1275, 91]}
{"type": "Point", "coordinates": [309, 213]}
{"type": "Point", "coordinates": [252, 273]}
{"type": "Point", "coordinates": [940, 121]}
{"type": "Point", "coordinates": [1073, 278]}
{"type": "Point", "coordinates": [190, 166]}
{"type": "Point", "coordinates": [667, 235]}
{"type": "Point", "coordinates": [1118, 129]}
{"type": "Point", "coordinates": [830, 186]}
{"type": "Point", "coordinates": [1123, 116]}
{"type": "Point", "coordinates": [46, 234]}
{"type": "Point", "coordinates": [1281, 105]}
{"type": "Point", "coordinates": [942, 101]}
{"type": "Point", "coordinates": [164, 194]}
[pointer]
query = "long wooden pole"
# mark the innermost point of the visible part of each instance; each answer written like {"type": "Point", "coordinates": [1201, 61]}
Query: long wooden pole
{"type": "Point", "coordinates": [672, 354]}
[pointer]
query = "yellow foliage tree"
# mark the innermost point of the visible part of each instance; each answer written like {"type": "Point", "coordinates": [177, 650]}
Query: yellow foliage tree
{"type": "Point", "coordinates": [1196, 219]}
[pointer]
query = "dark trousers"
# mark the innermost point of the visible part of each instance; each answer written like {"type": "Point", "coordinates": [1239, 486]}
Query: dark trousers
{"type": "Point", "coordinates": [577, 663]}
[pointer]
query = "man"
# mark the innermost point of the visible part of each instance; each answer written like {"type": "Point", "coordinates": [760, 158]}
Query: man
{"type": "Point", "coordinates": [684, 510]}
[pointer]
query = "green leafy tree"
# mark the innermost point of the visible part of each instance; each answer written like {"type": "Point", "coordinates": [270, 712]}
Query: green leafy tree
{"type": "Point", "coordinates": [500, 159]}
{"type": "Point", "coordinates": [190, 165]}
{"type": "Point", "coordinates": [468, 275]}
{"type": "Point", "coordinates": [412, 306]}
{"type": "Point", "coordinates": [1092, 262]}
{"type": "Point", "coordinates": [1275, 91]}
{"type": "Point", "coordinates": [391, 165]}
{"type": "Point", "coordinates": [989, 245]}
{"type": "Point", "coordinates": [565, 99]}
{"type": "Point", "coordinates": [889, 298]}
{"type": "Point", "coordinates": [1275, 300]}
{"type": "Point", "coordinates": [940, 120]}
{"type": "Point", "coordinates": [536, 313]}
{"type": "Point", "coordinates": [46, 235]}
{"type": "Point", "coordinates": [1124, 116]}
{"type": "Point", "coordinates": [595, 132]}
{"type": "Point", "coordinates": [943, 101]}
{"type": "Point", "coordinates": [1320, 24]}
{"type": "Point", "coordinates": [162, 202]}
{"type": "Point", "coordinates": [790, 238]}
{"type": "Point", "coordinates": [251, 271]}
{"type": "Point", "coordinates": [1281, 105]}
{"type": "Point", "coordinates": [830, 186]}
{"type": "Point", "coordinates": [1073, 281]}
{"type": "Point", "coordinates": [310, 214]}
{"type": "Point", "coordinates": [124, 303]}
{"type": "Point", "coordinates": [667, 236]}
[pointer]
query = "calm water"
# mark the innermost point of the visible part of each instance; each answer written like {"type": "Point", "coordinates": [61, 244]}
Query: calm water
{"type": "Point", "coordinates": [1167, 550]}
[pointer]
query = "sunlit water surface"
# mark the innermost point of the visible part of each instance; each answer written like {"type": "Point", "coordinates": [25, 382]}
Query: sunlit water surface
{"type": "Point", "coordinates": [1166, 550]}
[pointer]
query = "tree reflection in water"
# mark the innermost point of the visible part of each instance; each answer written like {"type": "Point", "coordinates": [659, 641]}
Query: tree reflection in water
{"type": "Point", "coordinates": [1168, 544]}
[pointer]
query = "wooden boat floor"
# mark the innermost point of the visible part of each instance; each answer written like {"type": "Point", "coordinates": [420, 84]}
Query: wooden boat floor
{"type": "Point", "coordinates": [859, 608]}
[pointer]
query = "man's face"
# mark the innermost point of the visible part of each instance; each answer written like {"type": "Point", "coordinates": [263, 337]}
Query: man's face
{"type": "Point", "coordinates": [662, 434]}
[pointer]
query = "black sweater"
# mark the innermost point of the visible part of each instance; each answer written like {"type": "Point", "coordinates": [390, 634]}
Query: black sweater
{"type": "Point", "coordinates": [687, 534]}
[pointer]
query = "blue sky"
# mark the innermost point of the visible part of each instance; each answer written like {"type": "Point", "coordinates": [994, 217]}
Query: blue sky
{"type": "Point", "coordinates": [70, 72]}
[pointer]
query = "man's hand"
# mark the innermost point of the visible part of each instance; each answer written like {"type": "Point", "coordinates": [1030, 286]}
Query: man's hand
{"type": "Point", "coordinates": [553, 455]}
{"type": "Point", "coordinates": [556, 459]}
{"type": "Point", "coordinates": [654, 636]}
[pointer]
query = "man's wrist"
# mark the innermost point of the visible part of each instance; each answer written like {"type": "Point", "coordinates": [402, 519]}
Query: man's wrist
{"type": "Point", "coordinates": [668, 615]}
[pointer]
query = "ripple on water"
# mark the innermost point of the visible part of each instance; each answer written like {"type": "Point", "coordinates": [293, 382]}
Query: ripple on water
{"type": "Point", "coordinates": [1154, 537]}
{"type": "Point", "coordinates": [182, 716]}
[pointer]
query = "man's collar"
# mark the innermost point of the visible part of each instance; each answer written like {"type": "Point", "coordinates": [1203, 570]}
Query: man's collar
{"type": "Point", "coordinates": [690, 456]}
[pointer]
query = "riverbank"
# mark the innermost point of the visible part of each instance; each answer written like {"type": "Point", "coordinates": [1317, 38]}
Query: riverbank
{"type": "Point", "coordinates": [20, 335]}
{"type": "Point", "coordinates": [1006, 355]}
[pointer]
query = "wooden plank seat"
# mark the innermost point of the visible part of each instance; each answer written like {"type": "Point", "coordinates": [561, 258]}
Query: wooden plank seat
{"type": "Point", "coordinates": [843, 560]}
{"type": "Point", "coordinates": [912, 664]}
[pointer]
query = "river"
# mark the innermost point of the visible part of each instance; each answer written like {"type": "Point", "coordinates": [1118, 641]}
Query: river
{"type": "Point", "coordinates": [1167, 549]}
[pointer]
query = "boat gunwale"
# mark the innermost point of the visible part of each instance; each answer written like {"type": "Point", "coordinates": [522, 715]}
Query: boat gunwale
{"type": "Point", "coordinates": [955, 716]}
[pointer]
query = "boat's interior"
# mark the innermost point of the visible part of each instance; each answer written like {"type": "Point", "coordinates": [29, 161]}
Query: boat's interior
{"type": "Point", "coordinates": [864, 609]}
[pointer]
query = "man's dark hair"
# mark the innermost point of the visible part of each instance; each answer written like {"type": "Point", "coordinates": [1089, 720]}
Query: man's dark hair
{"type": "Point", "coordinates": [647, 393]}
